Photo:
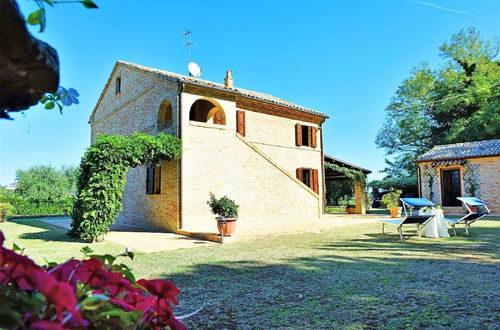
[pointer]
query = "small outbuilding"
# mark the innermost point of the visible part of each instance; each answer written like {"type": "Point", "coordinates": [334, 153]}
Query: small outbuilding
{"type": "Point", "coordinates": [469, 169]}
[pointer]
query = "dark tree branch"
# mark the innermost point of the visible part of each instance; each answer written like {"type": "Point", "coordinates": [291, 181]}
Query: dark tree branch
{"type": "Point", "coordinates": [29, 67]}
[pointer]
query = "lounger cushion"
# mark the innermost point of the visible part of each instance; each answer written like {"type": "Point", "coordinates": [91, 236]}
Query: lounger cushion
{"type": "Point", "coordinates": [417, 202]}
{"type": "Point", "coordinates": [396, 222]}
{"type": "Point", "coordinates": [472, 201]}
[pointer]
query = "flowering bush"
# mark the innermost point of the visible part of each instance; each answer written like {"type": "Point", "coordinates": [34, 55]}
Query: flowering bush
{"type": "Point", "coordinates": [92, 293]}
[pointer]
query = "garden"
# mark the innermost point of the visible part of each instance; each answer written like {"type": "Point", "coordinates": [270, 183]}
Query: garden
{"type": "Point", "coordinates": [351, 277]}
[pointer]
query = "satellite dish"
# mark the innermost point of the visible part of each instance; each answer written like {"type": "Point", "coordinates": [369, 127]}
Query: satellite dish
{"type": "Point", "coordinates": [194, 69]}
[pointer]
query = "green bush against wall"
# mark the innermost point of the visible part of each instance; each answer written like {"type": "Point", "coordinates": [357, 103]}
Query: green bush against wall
{"type": "Point", "coordinates": [102, 177]}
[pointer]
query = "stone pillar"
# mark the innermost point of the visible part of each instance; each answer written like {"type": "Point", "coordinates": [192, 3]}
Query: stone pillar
{"type": "Point", "coordinates": [359, 196]}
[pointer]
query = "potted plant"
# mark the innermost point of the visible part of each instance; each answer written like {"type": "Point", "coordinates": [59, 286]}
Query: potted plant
{"type": "Point", "coordinates": [350, 208]}
{"type": "Point", "coordinates": [391, 201]}
{"type": "Point", "coordinates": [6, 210]}
{"type": "Point", "coordinates": [227, 208]}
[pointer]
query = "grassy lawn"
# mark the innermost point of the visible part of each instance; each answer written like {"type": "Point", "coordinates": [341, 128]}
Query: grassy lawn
{"type": "Point", "coordinates": [348, 278]}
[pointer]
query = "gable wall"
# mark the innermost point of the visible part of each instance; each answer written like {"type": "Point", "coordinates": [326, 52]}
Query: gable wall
{"type": "Point", "coordinates": [136, 110]}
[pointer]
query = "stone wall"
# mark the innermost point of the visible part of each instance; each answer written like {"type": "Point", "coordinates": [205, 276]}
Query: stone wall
{"type": "Point", "coordinates": [135, 109]}
{"type": "Point", "coordinates": [258, 170]}
{"type": "Point", "coordinates": [481, 173]}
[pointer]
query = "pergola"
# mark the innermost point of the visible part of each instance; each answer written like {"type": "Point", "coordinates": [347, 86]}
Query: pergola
{"type": "Point", "coordinates": [359, 188]}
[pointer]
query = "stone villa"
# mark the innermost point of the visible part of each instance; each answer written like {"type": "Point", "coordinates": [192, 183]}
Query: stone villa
{"type": "Point", "coordinates": [263, 152]}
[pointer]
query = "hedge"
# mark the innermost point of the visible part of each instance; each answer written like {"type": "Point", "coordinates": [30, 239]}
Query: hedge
{"type": "Point", "coordinates": [24, 206]}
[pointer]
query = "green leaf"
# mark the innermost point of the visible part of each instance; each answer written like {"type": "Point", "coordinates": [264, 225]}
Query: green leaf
{"type": "Point", "coordinates": [50, 105]}
{"type": "Point", "coordinates": [16, 247]}
{"type": "Point", "coordinates": [89, 4]}
{"type": "Point", "coordinates": [44, 99]}
{"type": "Point", "coordinates": [35, 17]}
{"type": "Point", "coordinates": [86, 250]}
{"type": "Point", "coordinates": [94, 302]}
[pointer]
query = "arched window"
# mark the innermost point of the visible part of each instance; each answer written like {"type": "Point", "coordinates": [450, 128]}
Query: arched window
{"type": "Point", "coordinates": [164, 115]}
{"type": "Point", "coordinates": [207, 111]}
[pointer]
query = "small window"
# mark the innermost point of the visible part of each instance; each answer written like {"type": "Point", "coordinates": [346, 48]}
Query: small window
{"type": "Point", "coordinates": [153, 179]}
{"type": "Point", "coordinates": [118, 85]}
{"type": "Point", "coordinates": [309, 177]}
{"type": "Point", "coordinates": [305, 135]}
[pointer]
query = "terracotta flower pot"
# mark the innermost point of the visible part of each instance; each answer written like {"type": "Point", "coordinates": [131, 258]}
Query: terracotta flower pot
{"type": "Point", "coordinates": [350, 210]}
{"type": "Point", "coordinates": [395, 212]}
{"type": "Point", "coordinates": [229, 226]}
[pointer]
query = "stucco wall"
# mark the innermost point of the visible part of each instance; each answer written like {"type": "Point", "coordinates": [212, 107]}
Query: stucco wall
{"type": "Point", "coordinates": [488, 173]}
{"type": "Point", "coordinates": [215, 159]}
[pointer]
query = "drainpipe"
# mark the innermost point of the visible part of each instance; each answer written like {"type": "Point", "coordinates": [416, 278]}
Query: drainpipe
{"type": "Point", "coordinates": [179, 135]}
{"type": "Point", "coordinates": [323, 202]}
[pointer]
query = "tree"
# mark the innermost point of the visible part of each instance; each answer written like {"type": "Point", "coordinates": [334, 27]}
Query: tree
{"type": "Point", "coordinates": [29, 68]}
{"type": "Point", "coordinates": [457, 102]}
{"type": "Point", "coordinates": [46, 183]}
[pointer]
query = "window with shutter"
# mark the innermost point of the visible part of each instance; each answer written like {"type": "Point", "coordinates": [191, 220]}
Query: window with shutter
{"type": "Point", "coordinates": [315, 181]}
{"type": "Point", "coordinates": [156, 179]}
{"type": "Point", "coordinates": [299, 174]}
{"type": "Point", "coordinates": [240, 122]}
{"type": "Point", "coordinates": [298, 134]}
{"type": "Point", "coordinates": [313, 137]}
{"type": "Point", "coordinates": [309, 177]}
{"type": "Point", "coordinates": [217, 118]}
{"type": "Point", "coordinates": [149, 179]}
{"type": "Point", "coordinates": [153, 179]}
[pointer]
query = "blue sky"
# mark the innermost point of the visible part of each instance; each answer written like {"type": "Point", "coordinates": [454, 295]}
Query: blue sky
{"type": "Point", "coordinates": [342, 57]}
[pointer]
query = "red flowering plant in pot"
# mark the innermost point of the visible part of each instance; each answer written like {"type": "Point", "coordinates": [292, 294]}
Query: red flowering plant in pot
{"type": "Point", "coordinates": [92, 293]}
{"type": "Point", "coordinates": [227, 208]}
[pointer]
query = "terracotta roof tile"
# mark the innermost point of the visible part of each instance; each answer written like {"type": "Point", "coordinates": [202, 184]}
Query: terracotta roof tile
{"type": "Point", "coordinates": [462, 150]}
{"type": "Point", "coordinates": [240, 91]}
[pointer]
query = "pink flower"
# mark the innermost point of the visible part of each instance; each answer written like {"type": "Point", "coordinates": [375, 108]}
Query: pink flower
{"type": "Point", "coordinates": [59, 294]}
{"type": "Point", "coordinates": [46, 325]}
{"type": "Point", "coordinates": [161, 288]}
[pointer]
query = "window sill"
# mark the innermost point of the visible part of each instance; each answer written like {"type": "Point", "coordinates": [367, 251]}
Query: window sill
{"type": "Point", "coordinates": [207, 125]}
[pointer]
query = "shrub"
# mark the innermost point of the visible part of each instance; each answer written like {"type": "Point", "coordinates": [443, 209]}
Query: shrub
{"type": "Point", "coordinates": [6, 210]}
{"type": "Point", "coordinates": [24, 206]}
{"type": "Point", "coordinates": [391, 199]}
{"type": "Point", "coordinates": [91, 293]}
{"type": "Point", "coordinates": [406, 185]}
{"type": "Point", "coordinates": [102, 174]}
{"type": "Point", "coordinates": [223, 206]}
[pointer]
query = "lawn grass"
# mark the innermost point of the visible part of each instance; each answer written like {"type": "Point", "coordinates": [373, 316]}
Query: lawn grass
{"type": "Point", "coordinates": [349, 278]}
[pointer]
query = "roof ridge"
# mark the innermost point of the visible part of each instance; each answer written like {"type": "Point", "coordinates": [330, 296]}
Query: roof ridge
{"type": "Point", "coordinates": [462, 143]}
{"type": "Point", "coordinates": [245, 92]}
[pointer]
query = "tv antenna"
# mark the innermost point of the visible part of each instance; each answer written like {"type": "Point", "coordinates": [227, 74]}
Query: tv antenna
{"type": "Point", "coordinates": [193, 68]}
{"type": "Point", "coordinates": [189, 41]}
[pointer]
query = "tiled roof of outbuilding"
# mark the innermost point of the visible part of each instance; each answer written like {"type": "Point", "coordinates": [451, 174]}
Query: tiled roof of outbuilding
{"type": "Point", "coordinates": [207, 83]}
{"type": "Point", "coordinates": [462, 151]}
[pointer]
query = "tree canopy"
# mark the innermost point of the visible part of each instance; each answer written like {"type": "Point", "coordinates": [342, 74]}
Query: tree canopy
{"type": "Point", "coordinates": [46, 183]}
{"type": "Point", "coordinates": [457, 102]}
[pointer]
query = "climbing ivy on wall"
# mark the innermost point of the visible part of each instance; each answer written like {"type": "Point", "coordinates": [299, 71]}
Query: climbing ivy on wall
{"type": "Point", "coordinates": [351, 174]}
{"type": "Point", "coordinates": [102, 177]}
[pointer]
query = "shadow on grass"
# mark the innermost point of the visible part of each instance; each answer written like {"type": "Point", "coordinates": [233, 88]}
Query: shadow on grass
{"type": "Point", "coordinates": [50, 233]}
{"type": "Point", "coordinates": [335, 291]}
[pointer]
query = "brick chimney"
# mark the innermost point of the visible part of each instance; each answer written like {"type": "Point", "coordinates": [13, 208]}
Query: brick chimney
{"type": "Point", "coordinates": [228, 81]}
